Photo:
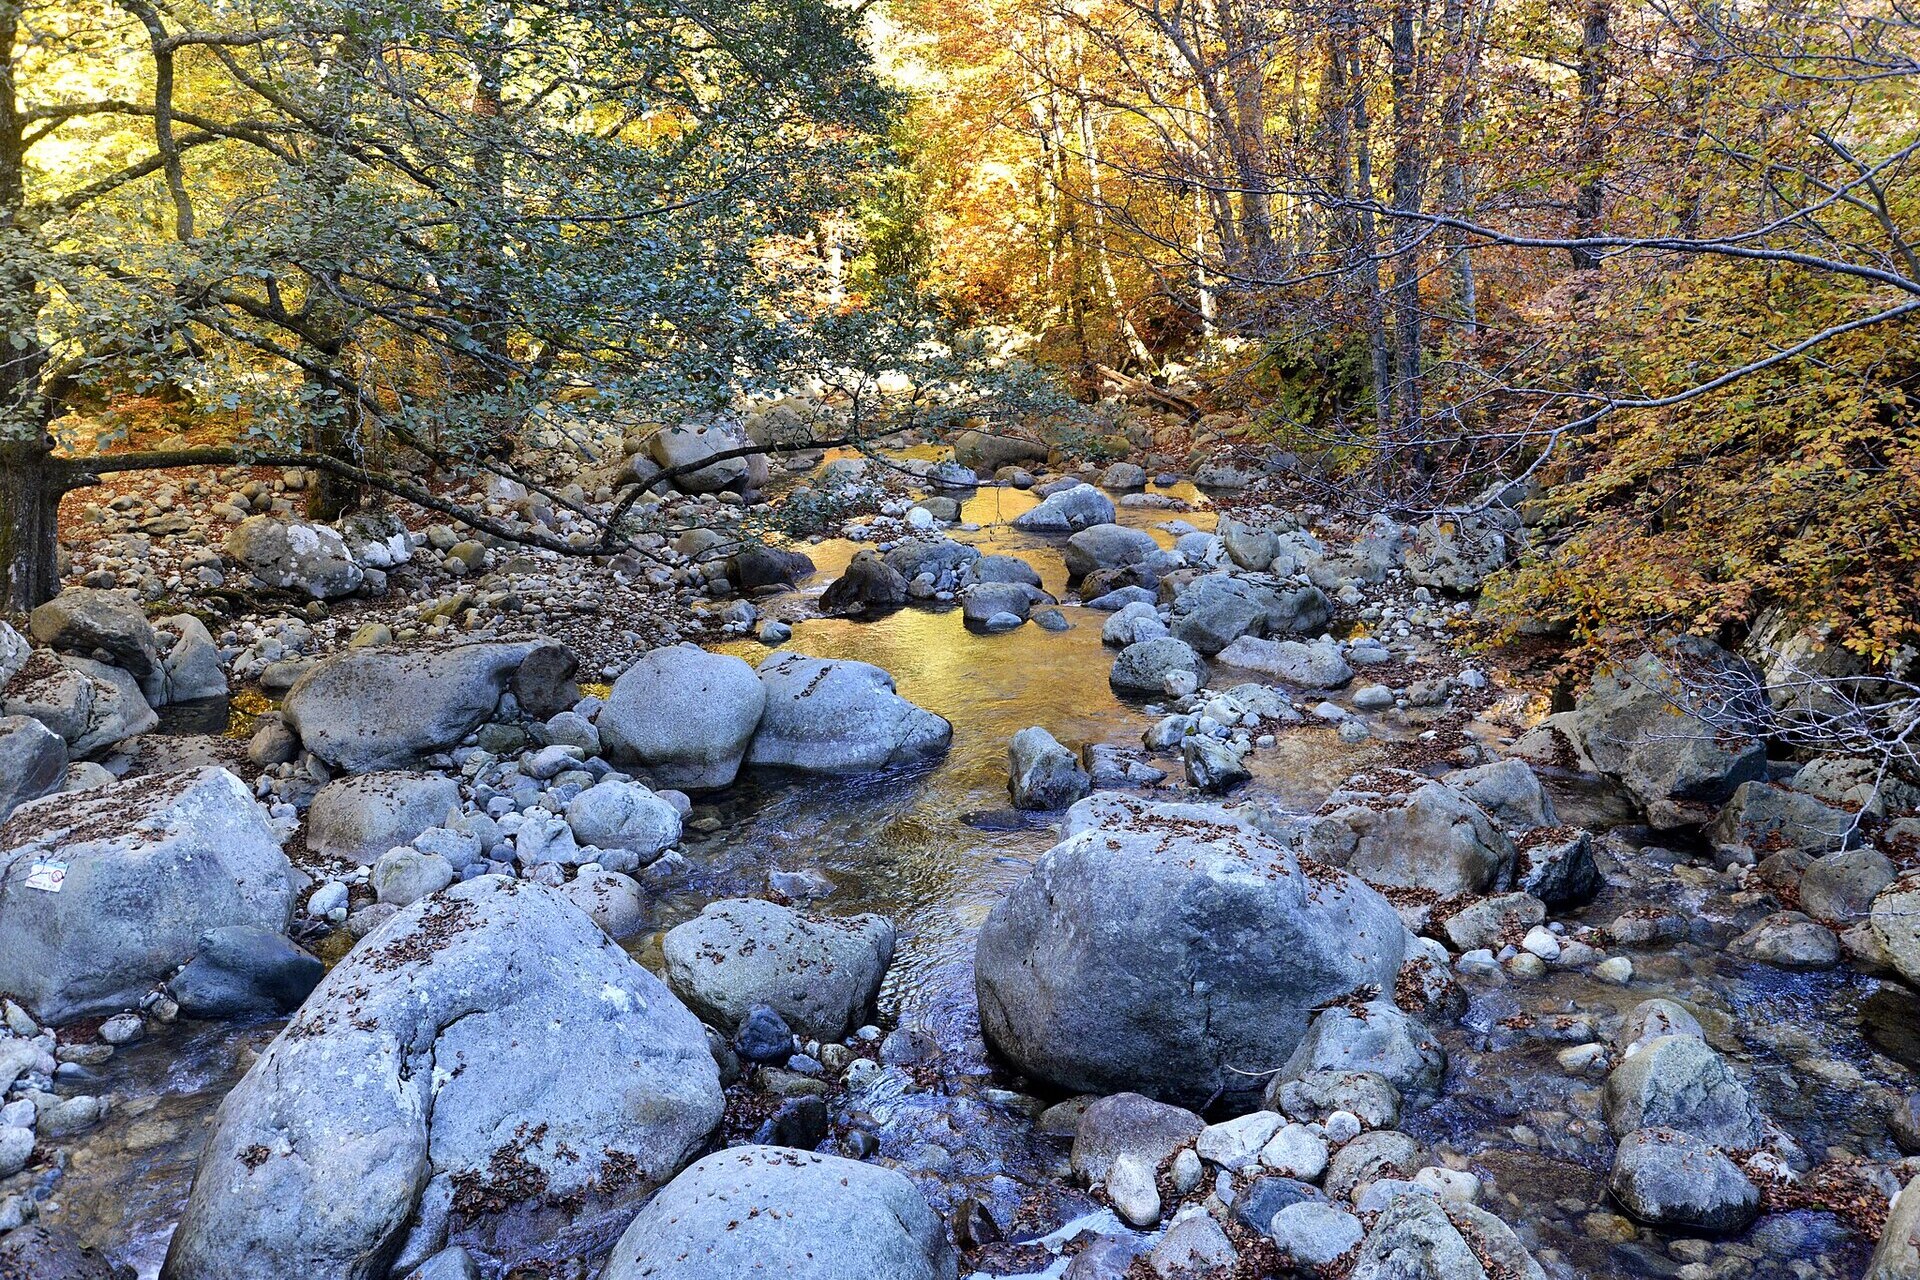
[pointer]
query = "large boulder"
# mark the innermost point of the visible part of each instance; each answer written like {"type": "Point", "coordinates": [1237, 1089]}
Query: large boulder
{"type": "Point", "coordinates": [684, 714]}
{"type": "Point", "coordinates": [1897, 1256]}
{"type": "Point", "coordinates": [983, 602]}
{"type": "Point", "coordinates": [774, 1211]}
{"type": "Point", "coordinates": [367, 709]}
{"type": "Point", "coordinates": [690, 444]}
{"type": "Point", "coordinates": [1895, 920]}
{"type": "Point", "coordinates": [1143, 667]}
{"type": "Point", "coordinates": [1679, 1082]}
{"type": "Point", "coordinates": [1106, 546]}
{"type": "Point", "coordinates": [1509, 791]}
{"type": "Point", "coordinates": [361, 817]}
{"type": "Point", "coordinates": [33, 761]}
{"type": "Point", "coordinates": [624, 815]}
{"type": "Point", "coordinates": [985, 451]}
{"type": "Point", "coordinates": [1422, 1237]}
{"type": "Point", "coordinates": [295, 556]}
{"type": "Point", "coordinates": [239, 971]}
{"type": "Point", "coordinates": [1671, 1179]}
{"type": "Point", "coordinates": [1068, 511]}
{"type": "Point", "coordinates": [105, 892]}
{"type": "Point", "coordinates": [424, 1075]}
{"type": "Point", "coordinates": [1173, 950]}
{"type": "Point", "coordinates": [1374, 1037]}
{"type": "Point", "coordinates": [192, 666]}
{"type": "Point", "coordinates": [1318, 665]}
{"type": "Point", "coordinates": [820, 973]}
{"type": "Point", "coordinates": [752, 568]}
{"type": "Point", "coordinates": [1430, 837]}
{"type": "Point", "coordinates": [1457, 553]}
{"type": "Point", "coordinates": [1043, 774]}
{"type": "Point", "coordinates": [1680, 728]}
{"type": "Point", "coordinates": [1765, 818]}
{"type": "Point", "coordinates": [92, 705]}
{"type": "Point", "coordinates": [838, 716]}
{"type": "Point", "coordinates": [869, 584]}
{"type": "Point", "coordinates": [82, 620]}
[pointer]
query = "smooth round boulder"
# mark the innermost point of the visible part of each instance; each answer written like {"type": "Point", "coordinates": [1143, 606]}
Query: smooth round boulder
{"type": "Point", "coordinates": [1106, 546]}
{"type": "Point", "coordinates": [1042, 774]}
{"type": "Point", "coordinates": [775, 1211]}
{"type": "Point", "coordinates": [1067, 511]}
{"type": "Point", "coordinates": [1679, 1082]}
{"type": "Point", "coordinates": [1670, 1179]}
{"type": "Point", "coordinates": [834, 715]}
{"type": "Point", "coordinates": [1143, 667]}
{"type": "Point", "coordinates": [359, 818]}
{"type": "Point", "coordinates": [423, 1074]}
{"type": "Point", "coordinates": [1174, 951]}
{"type": "Point", "coordinates": [295, 556]}
{"type": "Point", "coordinates": [819, 973]}
{"type": "Point", "coordinates": [240, 971]}
{"type": "Point", "coordinates": [367, 709]}
{"type": "Point", "coordinates": [684, 714]}
{"type": "Point", "coordinates": [624, 815]}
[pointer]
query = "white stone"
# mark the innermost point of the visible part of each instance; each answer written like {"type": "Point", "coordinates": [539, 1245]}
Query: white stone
{"type": "Point", "coordinates": [1131, 1187]}
{"type": "Point", "coordinates": [1296, 1152]}
{"type": "Point", "coordinates": [1234, 1144]}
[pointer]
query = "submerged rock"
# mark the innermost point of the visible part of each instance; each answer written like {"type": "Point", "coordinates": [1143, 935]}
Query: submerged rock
{"type": "Point", "coordinates": [422, 1074]}
{"type": "Point", "coordinates": [1042, 774]}
{"type": "Point", "coordinates": [1671, 1179]}
{"type": "Point", "coordinates": [1165, 948]}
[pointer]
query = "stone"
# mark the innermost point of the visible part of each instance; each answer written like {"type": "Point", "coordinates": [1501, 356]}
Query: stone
{"type": "Point", "coordinates": [1652, 1019]}
{"type": "Point", "coordinates": [192, 665]}
{"type": "Point", "coordinates": [1067, 511]}
{"type": "Point", "coordinates": [758, 1210]}
{"type": "Point", "coordinates": [1318, 665]}
{"type": "Point", "coordinates": [81, 620]}
{"type": "Point", "coordinates": [1369, 1157]}
{"type": "Point", "coordinates": [1314, 1234]}
{"type": "Point", "coordinates": [151, 864]}
{"type": "Point", "coordinates": [1766, 817]}
{"type": "Point", "coordinates": [1171, 950]}
{"type": "Point", "coordinates": [839, 716]}
{"type": "Point", "coordinates": [869, 585]}
{"type": "Point", "coordinates": [1508, 790]}
{"type": "Point", "coordinates": [295, 556]}
{"type": "Point", "coordinates": [1840, 887]}
{"type": "Point", "coordinates": [1673, 1180]}
{"type": "Point", "coordinates": [1789, 940]}
{"type": "Point", "coordinates": [1897, 1256]}
{"type": "Point", "coordinates": [1122, 476]}
{"type": "Point", "coordinates": [984, 451]}
{"type": "Point", "coordinates": [1376, 1038]}
{"type": "Point", "coordinates": [543, 683]}
{"type": "Point", "coordinates": [1234, 1144]}
{"type": "Point", "coordinates": [1420, 1237]}
{"type": "Point", "coordinates": [612, 814]}
{"type": "Point", "coordinates": [422, 1073]}
{"type": "Point", "coordinates": [1212, 765]}
{"type": "Point", "coordinates": [764, 1036]}
{"type": "Point", "coordinates": [1296, 1151]}
{"type": "Point", "coordinates": [404, 876]}
{"type": "Point", "coordinates": [1895, 922]}
{"type": "Point", "coordinates": [1430, 837]}
{"type": "Point", "coordinates": [984, 601]}
{"type": "Point", "coordinates": [33, 761]}
{"type": "Point", "coordinates": [1106, 546]}
{"type": "Point", "coordinates": [362, 710]}
{"type": "Point", "coordinates": [1143, 667]}
{"type": "Point", "coordinates": [1679, 1082]}
{"type": "Point", "coordinates": [359, 818]}
{"type": "Point", "coordinates": [755, 567]}
{"type": "Point", "coordinates": [241, 971]}
{"type": "Point", "coordinates": [1370, 1098]}
{"type": "Point", "coordinates": [1557, 866]}
{"type": "Point", "coordinates": [36, 1252]}
{"type": "Point", "coordinates": [693, 454]}
{"type": "Point", "coordinates": [1193, 1244]}
{"type": "Point", "coordinates": [1041, 773]}
{"type": "Point", "coordinates": [92, 705]}
{"type": "Point", "coordinates": [685, 715]}
{"type": "Point", "coordinates": [1638, 724]}
{"type": "Point", "coordinates": [611, 900]}
{"type": "Point", "coordinates": [1456, 553]}
{"type": "Point", "coordinates": [16, 1149]}
{"type": "Point", "coordinates": [1128, 1124]}
{"type": "Point", "coordinates": [821, 973]}
{"type": "Point", "coordinates": [1131, 1187]}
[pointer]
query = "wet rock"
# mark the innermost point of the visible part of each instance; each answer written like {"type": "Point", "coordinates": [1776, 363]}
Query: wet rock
{"type": "Point", "coordinates": [295, 556]}
{"type": "Point", "coordinates": [1678, 748]}
{"type": "Point", "coordinates": [763, 1036]}
{"type": "Point", "coordinates": [240, 971]}
{"type": "Point", "coordinates": [1068, 511]}
{"type": "Point", "coordinates": [763, 1210]}
{"type": "Point", "coordinates": [1128, 1124]}
{"type": "Point", "coordinates": [752, 568]}
{"type": "Point", "coordinates": [1256, 1203]}
{"type": "Point", "coordinates": [799, 1122]}
{"type": "Point", "coordinates": [543, 683]}
{"type": "Point", "coordinates": [1897, 1256]}
{"type": "Point", "coordinates": [1042, 774]}
{"type": "Point", "coordinates": [1558, 867]}
{"type": "Point", "coordinates": [869, 585]}
{"type": "Point", "coordinates": [150, 864]}
{"type": "Point", "coordinates": [1106, 546]}
{"type": "Point", "coordinates": [934, 557]}
{"type": "Point", "coordinates": [360, 818]}
{"type": "Point", "coordinates": [33, 761]}
{"type": "Point", "coordinates": [421, 1073]}
{"type": "Point", "coordinates": [1509, 791]}
{"type": "Point", "coordinates": [1789, 940]}
{"type": "Point", "coordinates": [1143, 667]}
{"type": "Point", "coordinates": [1132, 623]}
{"type": "Point", "coordinates": [1671, 1179]}
{"type": "Point", "coordinates": [1679, 1082]}
{"type": "Point", "coordinates": [684, 714]}
{"type": "Point", "coordinates": [1765, 816]}
{"type": "Point", "coordinates": [1212, 765]}
{"type": "Point", "coordinates": [821, 973]}
{"type": "Point", "coordinates": [839, 716]}
{"type": "Point", "coordinates": [624, 815]}
{"type": "Point", "coordinates": [1318, 665]}
{"type": "Point", "coordinates": [344, 707]}
{"type": "Point", "coordinates": [1431, 837]}
{"type": "Point", "coordinates": [980, 602]}
{"type": "Point", "coordinates": [1376, 1038]}
{"type": "Point", "coordinates": [1419, 1237]}
{"type": "Point", "coordinates": [1841, 887]}
{"type": "Point", "coordinates": [1090, 972]}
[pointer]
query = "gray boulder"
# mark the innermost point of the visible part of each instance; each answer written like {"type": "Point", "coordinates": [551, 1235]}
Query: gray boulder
{"type": "Point", "coordinates": [839, 716]}
{"type": "Point", "coordinates": [361, 817]}
{"type": "Point", "coordinates": [422, 1073]}
{"type": "Point", "coordinates": [1678, 728]}
{"type": "Point", "coordinates": [1841, 887]}
{"type": "Point", "coordinates": [1170, 950]}
{"type": "Point", "coordinates": [1431, 837]}
{"type": "Point", "coordinates": [1143, 667]}
{"type": "Point", "coordinates": [1509, 791]}
{"type": "Point", "coordinates": [33, 761]}
{"type": "Point", "coordinates": [1421, 1237]}
{"type": "Point", "coordinates": [1106, 546]}
{"type": "Point", "coordinates": [367, 709]}
{"type": "Point", "coordinates": [82, 621]}
{"type": "Point", "coordinates": [1068, 511]}
{"type": "Point", "coordinates": [985, 600]}
{"type": "Point", "coordinates": [985, 451]}
{"type": "Point", "coordinates": [774, 1211]}
{"type": "Point", "coordinates": [1212, 765]}
{"type": "Point", "coordinates": [1765, 817]}
{"type": "Point", "coordinates": [1895, 921]}
{"type": "Point", "coordinates": [1679, 1082]}
{"type": "Point", "coordinates": [611, 900]}
{"type": "Point", "coordinates": [192, 665]}
{"type": "Point", "coordinates": [1457, 553]}
{"type": "Point", "coordinates": [999, 568]}
{"type": "Point", "coordinates": [1041, 773]}
{"type": "Point", "coordinates": [820, 973]}
{"type": "Point", "coordinates": [1789, 940]}
{"type": "Point", "coordinates": [150, 865]}
{"type": "Point", "coordinates": [1318, 665]}
{"type": "Point", "coordinates": [1671, 1179]}
{"type": "Point", "coordinates": [868, 585]}
{"type": "Point", "coordinates": [241, 971]}
{"type": "Point", "coordinates": [1376, 1038]}
{"type": "Point", "coordinates": [295, 556]}
{"type": "Point", "coordinates": [92, 705]}
{"type": "Point", "coordinates": [934, 557]}
{"type": "Point", "coordinates": [1897, 1256]}
{"type": "Point", "coordinates": [624, 815]}
{"type": "Point", "coordinates": [1129, 1124]}
{"type": "Point", "coordinates": [685, 715]}
{"type": "Point", "coordinates": [691, 444]}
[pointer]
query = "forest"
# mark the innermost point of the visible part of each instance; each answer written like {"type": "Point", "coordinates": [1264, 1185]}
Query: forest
{"type": "Point", "coordinates": [1029, 639]}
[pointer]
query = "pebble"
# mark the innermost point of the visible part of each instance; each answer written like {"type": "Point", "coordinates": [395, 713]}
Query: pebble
{"type": "Point", "coordinates": [1131, 1187]}
{"type": "Point", "coordinates": [123, 1028]}
{"type": "Point", "coordinates": [1617, 970]}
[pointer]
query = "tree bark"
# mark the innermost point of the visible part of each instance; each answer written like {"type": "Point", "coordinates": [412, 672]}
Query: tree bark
{"type": "Point", "coordinates": [1408, 165]}
{"type": "Point", "coordinates": [31, 487]}
{"type": "Point", "coordinates": [1591, 197]}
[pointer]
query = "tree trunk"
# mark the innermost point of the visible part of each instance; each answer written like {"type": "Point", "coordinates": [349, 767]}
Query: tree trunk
{"type": "Point", "coordinates": [1408, 164]}
{"type": "Point", "coordinates": [1367, 246]}
{"type": "Point", "coordinates": [336, 435]}
{"type": "Point", "coordinates": [30, 491]}
{"type": "Point", "coordinates": [1587, 202]}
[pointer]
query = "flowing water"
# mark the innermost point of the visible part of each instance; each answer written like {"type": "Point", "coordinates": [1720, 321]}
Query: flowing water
{"type": "Point", "coordinates": [935, 847]}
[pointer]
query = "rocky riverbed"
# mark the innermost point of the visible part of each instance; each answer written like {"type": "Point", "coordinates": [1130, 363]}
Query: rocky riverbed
{"type": "Point", "coordinates": [1060, 874]}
